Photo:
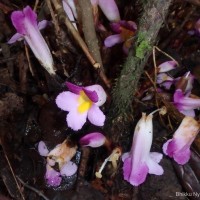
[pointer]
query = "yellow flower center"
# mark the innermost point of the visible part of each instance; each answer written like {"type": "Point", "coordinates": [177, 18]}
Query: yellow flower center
{"type": "Point", "coordinates": [84, 102]}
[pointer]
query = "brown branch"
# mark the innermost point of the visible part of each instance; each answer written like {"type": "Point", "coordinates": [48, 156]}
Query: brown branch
{"type": "Point", "coordinates": [91, 39]}
{"type": "Point", "coordinates": [55, 22]}
{"type": "Point", "coordinates": [63, 18]}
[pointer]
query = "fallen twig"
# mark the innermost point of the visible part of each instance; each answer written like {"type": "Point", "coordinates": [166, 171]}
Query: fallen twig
{"type": "Point", "coordinates": [39, 193]}
{"type": "Point", "coordinates": [64, 19]}
{"type": "Point", "coordinates": [91, 39]}
{"type": "Point", "coordinates": [11, 169]}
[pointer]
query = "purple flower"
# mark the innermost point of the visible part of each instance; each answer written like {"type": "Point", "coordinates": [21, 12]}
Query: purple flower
{"type": "Point", "coordinates": [82, 103]}
{"type": "Point", "coordinates": [52, 177]}
{"type": "Point", "coordinates": [139, 161]}
{"type": "Point", "coordinates": [93, 140]}
{"type": "Point", "coordinates": [178, 147]}
{"type": "Point", "coordinates": [185, 104]}
{"type": "Point", "coordinates": [61, 154]}
{"type": "Point", "coordinates": [26, 25]}
{"type": "Point", "coordinates": [125, 31]}
{"type": "Point", "coordinates": [167, 66]}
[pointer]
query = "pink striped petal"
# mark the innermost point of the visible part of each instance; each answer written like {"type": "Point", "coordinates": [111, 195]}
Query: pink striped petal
{"type": "Point", "coordinates": [93, 140]}
{"type": "Point", "coordinates": [110, 9]}
{"type": "Point", "coordinates": [75, 120]}
{"type": "Point", "coordinates": [68, 169]}
{"type": "Point", "coordinates": [113, 40]}
{"type": "Point", "coordinates": [96, 116]}
{"type": "Point", "coordinates": [67, 101]}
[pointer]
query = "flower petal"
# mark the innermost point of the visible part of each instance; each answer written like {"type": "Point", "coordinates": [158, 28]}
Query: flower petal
{"type": "Point", "coordinates": [135, 176]}
{"type": "Point", "coordinates": [72, 5]}
{"type": "Point", "coordinates": [185, 103]}
{"type": "Point", "coordinates": [113, 40]}
{"type": "Point", "coordinates": [189, 113]}
{"type": "Point", "coordinates": [100, 92]}
{"type": "Point", "coordinates": [76, 120]}
{"type": "Point", "coordinates": [52, 177]}
{"type": "Point", "coordinates": [165, 146]}
{"type": "Point", "coordinates": [110, 9]}
{"type": "Point", "coordinates": [92, 95]}
{"type": "Point", "coordinates": [68, 169]}
{"type": "Point", "coordinates": [154, 167]}
{"type": "Point", "coordinates": [15, 37]}
{"type": "Point", "coordinates": [30, 15]}
{"type": "Point", "coordinates": [18, 18]}
{"type": "Point", "coordinates": [93, 140]}
{"type": "Point", "coordinates": [155, 156]}
{"type": "Point", "coordinates": [125, 155]}
{"type": "Point", "coordinates": [74, 88]}
{"type": "Point", "coordinates": [42, 149]}
{"type": "Point", "coordinates": [67, 101]}
{"type": "Point", "coordinates": [96, 116]}
{"type": "Point", "coordinates": [167, 84]}
{"type": "Point", "coordinates": [163, 77]}
{"type": "Point", "coordinates": [167, 66]}
{"type": "Point", "coordinates": [43, 24]}
{"type": "Point", "coordinates": [69, 13]}
{"type": "Point", "coordinates": [182, 157]}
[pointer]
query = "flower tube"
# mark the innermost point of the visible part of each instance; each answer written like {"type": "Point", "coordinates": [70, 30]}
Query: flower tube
{"type": "Point", "coordinates": [27, 28]}
{"type": "Point", "coordinates": [178, 147]}
{"type": "Point", "coordinates": [139, 161]}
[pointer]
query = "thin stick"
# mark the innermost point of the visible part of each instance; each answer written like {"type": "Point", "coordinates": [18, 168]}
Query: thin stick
{"type": "Point", "coordinates": [55, 22]}
{"type": "Point", "coordinates": [36, 4]}
{"type": "Point", "coordinates": [39, 193]}
{"type": "Point", "coordinates": [158, 49]}
{"type": "Point", "coordinates": [11, 169]}
{"type": "Point", "coordinates": [64, 18]}
{"type": "Point", "coordinates": [29, 62]}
